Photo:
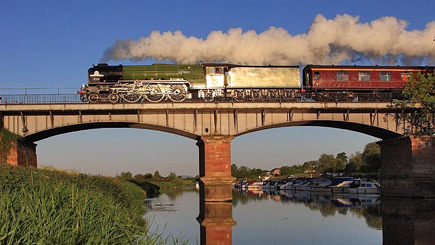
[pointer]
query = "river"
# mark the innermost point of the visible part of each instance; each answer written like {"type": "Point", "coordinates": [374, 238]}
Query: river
{"type": "Point", "coordinates": [281, 218]}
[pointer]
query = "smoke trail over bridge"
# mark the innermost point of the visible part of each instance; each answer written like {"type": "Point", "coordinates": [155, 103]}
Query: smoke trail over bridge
{"type": "Point", "coordinates": [343, 39]}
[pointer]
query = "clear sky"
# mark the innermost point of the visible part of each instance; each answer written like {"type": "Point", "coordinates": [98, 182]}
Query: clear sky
{"type": "Point", "coordinates": [53, 43]}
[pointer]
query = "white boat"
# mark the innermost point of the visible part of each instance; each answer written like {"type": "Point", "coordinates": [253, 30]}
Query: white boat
{"type": "Point", "coordinates": [282, 184]}
{"type": "Point", "coordinates": [362, 186]}
{"type": "Point", "coordinates": [320, 185]}
{"type": "Point", "coordinates": [269, 186]}
{"type": "Point", "coordinates": [257, 184]}
{"type": "Point", "coordinates": [300, 184]}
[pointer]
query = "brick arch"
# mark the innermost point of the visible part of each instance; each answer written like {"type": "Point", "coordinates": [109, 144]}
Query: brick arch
{"type": "Point", "coordinates": [352, 126]}
{"type": "Point", "coordinates": [96, 125]}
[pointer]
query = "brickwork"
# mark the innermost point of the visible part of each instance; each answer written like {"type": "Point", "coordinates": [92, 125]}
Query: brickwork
{"type": "Point", "coordinates": [22, 153]}
{"type": "Point", "coordinates": [408, 167]}
{"type": "Point", "coordinates": [216, 221]}
{"type": "Point", "coordinates": [408, 221]}
{"type": "Point", "coordinates": [215, 168]}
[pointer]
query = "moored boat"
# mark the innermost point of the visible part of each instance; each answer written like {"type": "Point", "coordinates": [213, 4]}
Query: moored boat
{"type": "Point", "coordinates": [362, 186]}
{"type": "Point", "coordinates": [320, 185]}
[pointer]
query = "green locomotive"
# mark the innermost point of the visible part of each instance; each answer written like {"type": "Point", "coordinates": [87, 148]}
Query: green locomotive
{"type": "Point", "coordinates": [180, 82]}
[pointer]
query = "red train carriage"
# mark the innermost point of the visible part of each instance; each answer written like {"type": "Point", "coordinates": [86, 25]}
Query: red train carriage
{"type": "Point", "coordinates": [365, 78]}
{"type": "Point", "coordinates": [368, 82]}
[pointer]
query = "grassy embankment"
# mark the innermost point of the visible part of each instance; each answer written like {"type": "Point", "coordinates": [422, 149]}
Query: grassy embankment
{"type": "Point", "coordinates": [42, 206]}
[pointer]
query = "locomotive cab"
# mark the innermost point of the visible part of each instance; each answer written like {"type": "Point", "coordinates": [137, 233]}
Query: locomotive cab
{"type": "Point", "coordinates": [103, 73]}
{"type": "Point", "coordinates": [215, 77]}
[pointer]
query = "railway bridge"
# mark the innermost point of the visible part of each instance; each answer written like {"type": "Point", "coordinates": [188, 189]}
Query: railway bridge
{"type": "Point", "coordinates": [407, 167]}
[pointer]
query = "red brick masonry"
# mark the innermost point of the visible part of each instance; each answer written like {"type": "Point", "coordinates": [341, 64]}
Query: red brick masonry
{"type": "Point", "coordinates": [408, 167]}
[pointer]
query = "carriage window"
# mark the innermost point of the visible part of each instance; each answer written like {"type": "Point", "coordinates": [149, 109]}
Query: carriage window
{"type": "Point", "coordinates": [342, 76]}
{"type": "Point", "coordinates": [405, 76]}
{"type": "Point", "coordinates": [385, 76]}
{"type": "Point", "coordinates": [364, 76]}
{"type": "Point", "coordinates": [316, 75]}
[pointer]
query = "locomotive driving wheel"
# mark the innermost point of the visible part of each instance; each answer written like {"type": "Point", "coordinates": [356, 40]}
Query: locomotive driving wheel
{"type": "Point", "coordinates": [132, 97]}
{"type": "Point", "coordinates": [208, 95]}
{"type": "Point", "coordinates": [113, 98]}
{"type": "Point", "coordinates": [256, 94]}
{"type": "Point", "coordinates": [154, 93]}
{"type": "Point", "coordinates": [273, 94]}
{"type": "Point", "coordinates": [93, 97]}
{"type": "Point", "coordinates": [239, 95]}
{"type": "Point", "coordinates": [177, 92]}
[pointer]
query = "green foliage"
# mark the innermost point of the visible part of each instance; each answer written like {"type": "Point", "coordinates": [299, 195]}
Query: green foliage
{"type": "Point", "coordinates": [125, 175]}
{"type": "Point", "coordinates": [44, 206]}
{"type": "Point", "coordinates": [7, 138]}
{"type": "Point", "coordinates": [171, 177]}
{"type": "Point", "coordinates": [367, 162]}
{"type": "Point", "coordinates": [156, 175]}
{"type": "Point", "coordinates": [244, 172]}
{"type": "Point", "coordinates": [292, 170]}
{"type": "Point", "coordinates": [420, 90]}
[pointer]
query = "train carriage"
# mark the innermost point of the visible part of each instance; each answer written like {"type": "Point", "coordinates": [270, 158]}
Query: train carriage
{"type": "Point", "coordinates": [229, 82]}
{"type": "Point", "coordinates": [377, 82]}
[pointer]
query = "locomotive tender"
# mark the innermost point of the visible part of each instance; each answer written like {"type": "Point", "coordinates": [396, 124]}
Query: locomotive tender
{"type": "Point", "coordinates": [228, 82]}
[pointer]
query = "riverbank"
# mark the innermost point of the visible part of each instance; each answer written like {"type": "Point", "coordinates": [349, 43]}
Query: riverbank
{"type": "Point", "coordinates": [48, 206]}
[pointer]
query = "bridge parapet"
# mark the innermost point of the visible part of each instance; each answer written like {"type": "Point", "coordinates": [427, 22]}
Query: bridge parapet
{"type": "Point", "coordinates": [37, 122]}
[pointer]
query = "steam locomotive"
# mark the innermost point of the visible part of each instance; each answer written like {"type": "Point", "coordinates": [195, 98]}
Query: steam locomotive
{"type": "Point", "coordinates": [229, 82]}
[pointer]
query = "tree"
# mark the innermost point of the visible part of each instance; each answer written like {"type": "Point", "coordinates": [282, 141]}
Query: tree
{"type": "Point", "coordinates": [372, 157]}
{"type": "Point", "coordinates": [172, 176]}
{"type": "Point", "coordinates": [355, 163]}
{"type": "Point", "coordinates": [342, 156]}
{"type": "Point", "coordinates": [125, 175]}
{"type": "Point", "coordinates": [420, 89]}
{"type": "Point", "coordinates": [156, 175]}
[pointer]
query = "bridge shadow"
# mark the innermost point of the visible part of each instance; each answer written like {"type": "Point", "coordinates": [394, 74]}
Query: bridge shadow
{"type": "Point", "coordinates": [101, 125]}
{"type": "Point", "coordinates": [374, 131]}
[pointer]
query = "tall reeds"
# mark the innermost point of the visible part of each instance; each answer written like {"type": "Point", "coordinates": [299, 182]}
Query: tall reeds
{"type": "Point", "coordinates": [49, 207]}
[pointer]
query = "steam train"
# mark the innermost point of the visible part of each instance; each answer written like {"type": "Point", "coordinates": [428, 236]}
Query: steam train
{"type": "Point", "coordinates": [229, 82]}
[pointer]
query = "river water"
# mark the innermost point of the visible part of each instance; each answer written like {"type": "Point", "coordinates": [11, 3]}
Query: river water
{"type": "Point", "coordinates": [276, 218]}
{"type": "Point", "coordinates": [294, 218]}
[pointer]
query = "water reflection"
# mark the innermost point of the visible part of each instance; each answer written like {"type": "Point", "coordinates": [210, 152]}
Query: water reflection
{"type": "Point", "coordinates": [302, 218]}
{"type": "Point", "coordinates": [365, 206]}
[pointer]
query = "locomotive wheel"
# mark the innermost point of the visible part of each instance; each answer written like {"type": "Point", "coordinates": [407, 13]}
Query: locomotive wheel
{"type": "Point", "coordinates": [177, 92]}
{"type": "Point", "coordinates": [208, 95]}
{"type": "Point", "coordinates": [239, 95]}
{"type": "Point", "coordinates": [256, 94]}
{"type": "Point", "coordinates": [154, 93]}
{"type": "Point", "coordinates": [113, 98]}
{"type": "Point", "coordinates": [132, 97]}
{"type": "Point", "coordinates": [289, 94]}
{"type": "Point", "coordinates": [273, 94]}
{"type": "Point", "coordinates": [93, 97]}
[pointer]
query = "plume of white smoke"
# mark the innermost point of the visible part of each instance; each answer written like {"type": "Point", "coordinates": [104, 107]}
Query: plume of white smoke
{"type": "Point", "coordinates": [328, 41]}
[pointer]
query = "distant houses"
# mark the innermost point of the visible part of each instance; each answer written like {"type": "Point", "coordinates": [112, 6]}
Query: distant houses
{"type": "Point", "coordinates": [275, 172]}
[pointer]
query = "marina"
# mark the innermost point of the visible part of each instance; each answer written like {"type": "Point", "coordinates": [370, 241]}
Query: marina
{"type": "Point", "coordinates": [346, 185]}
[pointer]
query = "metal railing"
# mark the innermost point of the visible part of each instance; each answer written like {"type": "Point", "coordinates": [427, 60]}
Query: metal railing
{"type": "Point", "coordinates": [39, 96]}
{"type": "Point", "coordinates": [70, 96]}
{"type": "Point", "coordinates": [40, 99]}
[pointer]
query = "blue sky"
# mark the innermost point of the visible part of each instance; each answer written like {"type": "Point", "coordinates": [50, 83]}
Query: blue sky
{"type": "Point", "coordinates": [53, 43]}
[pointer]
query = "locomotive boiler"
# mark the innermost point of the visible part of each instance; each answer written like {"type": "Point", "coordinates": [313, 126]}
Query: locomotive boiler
{"type": "Point", "coordinates": [229, 82]}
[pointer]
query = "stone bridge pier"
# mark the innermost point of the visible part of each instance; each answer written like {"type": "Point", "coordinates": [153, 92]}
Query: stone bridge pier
{"type": "Point", "coordinates": [408, 167]}
{"type": "Point", "coordinates": [215, 168]}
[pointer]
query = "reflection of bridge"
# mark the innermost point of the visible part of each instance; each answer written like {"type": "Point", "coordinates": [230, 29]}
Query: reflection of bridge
{"type": "Point", "coordinates": [407, 167]}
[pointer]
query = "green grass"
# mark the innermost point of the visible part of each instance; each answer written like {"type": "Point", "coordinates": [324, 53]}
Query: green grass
{"type": "Point", "coordinates": [54, 207]}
